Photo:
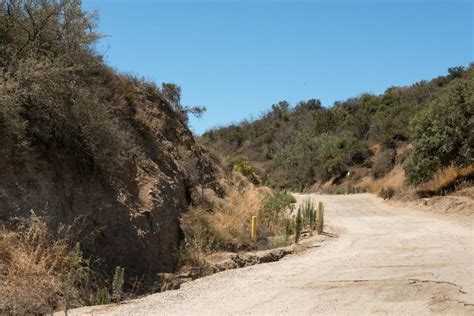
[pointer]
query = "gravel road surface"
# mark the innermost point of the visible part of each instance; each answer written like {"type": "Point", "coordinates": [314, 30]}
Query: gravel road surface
{"type": "Point", "coordinates": [385, 260]}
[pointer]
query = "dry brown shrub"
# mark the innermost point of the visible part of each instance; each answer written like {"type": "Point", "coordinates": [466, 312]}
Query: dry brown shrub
{"type": "Point", "coordinates": [446, 180]}
{"type": "Point", "coordinates": [33, 267]}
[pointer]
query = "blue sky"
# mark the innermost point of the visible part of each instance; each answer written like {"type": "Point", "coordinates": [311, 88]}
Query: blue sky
{"type": "Point", "coordinates": [237, 58]}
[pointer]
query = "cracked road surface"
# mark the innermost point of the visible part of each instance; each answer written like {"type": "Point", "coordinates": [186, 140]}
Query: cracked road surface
{"type": "Point", "coordinates": [386, 260]}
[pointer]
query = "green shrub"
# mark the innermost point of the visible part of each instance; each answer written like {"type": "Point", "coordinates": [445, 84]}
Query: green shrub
{"type": "Point", "coordinates": [247, 171]}
{"type": "Point", "coordinates": [274, 205]}
{"type": "Point", "coordinates": [338, 152]}
{"type": "Point", "coordinates": [278, 241]}
{"type": "Point", "coordinates": [443, 133]}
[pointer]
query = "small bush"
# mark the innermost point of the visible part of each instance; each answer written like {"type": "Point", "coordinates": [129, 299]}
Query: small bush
{"type": "Point", "coordinates": [274, 205]}
{"type": "Point", "coordinates": [387, 193]}
{"type": "Point", "coordinates": [247, 171]}
{"type": "Point", "coordinates": [200, 236]}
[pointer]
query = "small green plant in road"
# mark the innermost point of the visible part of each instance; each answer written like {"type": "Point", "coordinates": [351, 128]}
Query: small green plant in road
{"type": "Point", "coordinates": [117, 284]}
{"type": "Point", "coordinates": [299, 225]}
{"type": "Point", "coordinates": [320, 218]}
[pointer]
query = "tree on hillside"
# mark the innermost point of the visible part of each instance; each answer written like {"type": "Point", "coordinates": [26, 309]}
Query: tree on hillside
{"type": "Point", "coordinates": [172, 94]}
{"type": "Point", "coordinates": [47, 28]}
{"type": "Point", "coordinates": [280, 110]}
{"type": "Point", "coordinates": [443, 133]}
{"type": "Point", "coordinates": [338, 152]}
{"type": "Point", "coordinates": [310, 105]}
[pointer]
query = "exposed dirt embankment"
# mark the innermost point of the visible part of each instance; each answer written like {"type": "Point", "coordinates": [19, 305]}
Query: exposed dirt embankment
{"type": "Point", "coordinates": [129, 215]}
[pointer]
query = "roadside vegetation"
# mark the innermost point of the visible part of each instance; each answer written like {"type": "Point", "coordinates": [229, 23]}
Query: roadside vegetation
{"type": "Point", "coordinates": [226, 223]}
{"type": "Point", "coordinates": [40, 269]}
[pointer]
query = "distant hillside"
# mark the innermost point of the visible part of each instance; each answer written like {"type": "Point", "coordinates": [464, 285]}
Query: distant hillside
{"type": "Point", "coordinates": [296, 147]}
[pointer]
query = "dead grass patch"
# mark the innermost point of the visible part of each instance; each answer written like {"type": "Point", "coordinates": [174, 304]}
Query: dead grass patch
{"type": "Point", "coordinates": [226, 225]}
{"type": "Point", "coordinates": [446, 180]}
{"type": "Point", "coordinates": [43, 270]}
{"type": "Point", "coordinates": [394, 179]}
{"type": "Point", "coordinates": [33, 268]}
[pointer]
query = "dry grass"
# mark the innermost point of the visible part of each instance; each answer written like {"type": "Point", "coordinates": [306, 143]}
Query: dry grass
{"type": "Point", "coordinates": [229, 219]}
{"type": "Point", "coordinates": [446, 180]}
{"type": "Point", "coordinates": [394, 179]}
{"type": "Point", "coordinates": [33, 268]}
{"type": "Point", "coordinates": [227, 225]}
{"type": "Point", "coordinates": [43, 270]}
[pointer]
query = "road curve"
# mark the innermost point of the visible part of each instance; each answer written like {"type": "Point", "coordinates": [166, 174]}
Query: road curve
{"type": "Point", "coordinates": [386, 260]}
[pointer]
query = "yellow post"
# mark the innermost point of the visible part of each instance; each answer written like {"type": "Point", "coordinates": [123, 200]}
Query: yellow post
{"type": "Point", "coordinates": [320, 218]}
{"type": "Point", "coordinates": [254, 227]}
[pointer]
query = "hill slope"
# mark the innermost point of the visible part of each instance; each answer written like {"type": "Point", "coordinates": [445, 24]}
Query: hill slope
{"type": "Point", "coordinates": [295, 147]}
{"type": "Point", "coordinates": [85, 146]}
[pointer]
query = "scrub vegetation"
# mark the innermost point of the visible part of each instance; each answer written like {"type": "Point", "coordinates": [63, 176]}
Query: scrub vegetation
{"type": "Point", "coordinates": [294, 147]}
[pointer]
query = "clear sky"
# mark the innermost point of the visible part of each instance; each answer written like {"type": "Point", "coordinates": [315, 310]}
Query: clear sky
{"type": "Point", "coordinates": [237, 58]}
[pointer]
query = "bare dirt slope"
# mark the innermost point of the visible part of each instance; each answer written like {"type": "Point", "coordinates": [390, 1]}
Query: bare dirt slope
{"type": "Point", "coordinates": [387, 260]}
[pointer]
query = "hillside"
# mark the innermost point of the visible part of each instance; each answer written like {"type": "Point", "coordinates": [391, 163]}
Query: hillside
{"type": "Point", "coordinates": [419, 129]}
{"type": "Point", "coordinates": [89, 157]}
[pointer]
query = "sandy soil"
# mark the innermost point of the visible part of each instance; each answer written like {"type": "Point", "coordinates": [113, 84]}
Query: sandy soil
{"type": "Point", "coordinates": [387, 260]}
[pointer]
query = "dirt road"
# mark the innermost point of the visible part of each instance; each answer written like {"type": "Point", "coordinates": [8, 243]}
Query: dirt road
{"type": "Point", "coordinates": [386, 260]}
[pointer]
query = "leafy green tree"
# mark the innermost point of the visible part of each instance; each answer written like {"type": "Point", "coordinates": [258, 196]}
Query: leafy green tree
{"type": "Point", "coordinates": [280, 110]}
{"type": "Point", "coordinates": [338, 152]}
{"type": "Point", "coordinates": [443, 133]}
